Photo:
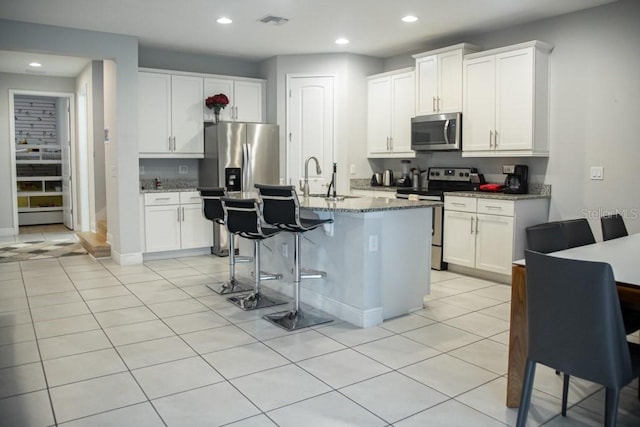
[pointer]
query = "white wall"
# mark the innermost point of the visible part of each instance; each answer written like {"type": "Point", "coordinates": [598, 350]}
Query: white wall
{"type": "Point", "coordinates": [210, 64]}
{"type": "Point", "coordinates": [122, 155]}
{"type": "Point", "coordinates": [595, 93]}
{"type": "Point", "coordinates": [349, 89]}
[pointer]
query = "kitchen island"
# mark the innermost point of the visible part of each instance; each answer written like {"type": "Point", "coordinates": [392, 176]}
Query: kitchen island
{"type": "Point", "coordinates": [376, 255]}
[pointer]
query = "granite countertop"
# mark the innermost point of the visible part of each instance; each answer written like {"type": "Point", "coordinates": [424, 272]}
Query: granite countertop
{"type": "Point", "coordinates": [166, 190]}
{"type": "Point", "coordinates": [536, 191]}
{"type": "Point", "coordinates": [496, 196]}
{"type": "Point", "coordinates": [364, 204]}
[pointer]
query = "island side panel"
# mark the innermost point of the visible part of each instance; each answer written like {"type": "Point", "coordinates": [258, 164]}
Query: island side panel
{"type": "Point", "coordinates": [406, 260]}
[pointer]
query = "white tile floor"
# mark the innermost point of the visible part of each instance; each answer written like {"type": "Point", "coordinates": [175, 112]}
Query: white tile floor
{"type": "Point", "coordinates": [92, 343]}
{"type": "Point", "coordinates": [39, 233]}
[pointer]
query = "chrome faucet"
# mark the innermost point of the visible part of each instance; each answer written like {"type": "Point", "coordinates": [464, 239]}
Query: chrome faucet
{"type": "Point", "coordinates": [305, 186]}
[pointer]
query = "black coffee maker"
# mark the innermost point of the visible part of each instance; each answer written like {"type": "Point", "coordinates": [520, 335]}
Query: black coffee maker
{"type": "Point", "coordinates": [517, 180]}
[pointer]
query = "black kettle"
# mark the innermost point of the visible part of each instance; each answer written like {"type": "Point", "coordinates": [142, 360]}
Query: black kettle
{"type": "Point", "coordinates": [376, 180]}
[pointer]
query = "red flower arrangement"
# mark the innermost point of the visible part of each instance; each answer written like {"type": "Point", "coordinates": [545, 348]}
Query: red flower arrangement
{"type": "Point", "coordinates": [216, 102]}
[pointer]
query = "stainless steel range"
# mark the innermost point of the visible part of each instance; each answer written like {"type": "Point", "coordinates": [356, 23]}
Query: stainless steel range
{"type": "Point", "coordinates": [441, 180]}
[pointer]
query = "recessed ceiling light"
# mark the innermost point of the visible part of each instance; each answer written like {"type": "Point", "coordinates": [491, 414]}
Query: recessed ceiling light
{"type": "Point", "coordinates": [224, 20]}
{"type": "Point", "coordinates": [35, 64]}
{"type": "Point", "coordinates": [409, 18]}
{"type": "Point", "coordinates": [342, 40]}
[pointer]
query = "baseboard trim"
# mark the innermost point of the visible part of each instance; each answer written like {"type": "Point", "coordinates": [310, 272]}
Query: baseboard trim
{"type": "Point", "coordinates": [148, 256]}
{"type": "Point", "coordinates": [355, 316]}
{"type": "Point", "coordinates": [126, 259]}
{"type": "Point", "coordinates": [8, 232]}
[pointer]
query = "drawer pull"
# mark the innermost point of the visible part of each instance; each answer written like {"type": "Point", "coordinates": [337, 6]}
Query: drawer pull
{"type": "Point", "coordinates": [494, 207]}
{"type": "Point", "coordinates": [457, 204]}
{"type": "Point", "coordinates": [162, 198]}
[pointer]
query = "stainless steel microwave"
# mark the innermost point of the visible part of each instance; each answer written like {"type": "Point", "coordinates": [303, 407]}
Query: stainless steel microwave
{"type": "Point", "coordinates": [436, 132]}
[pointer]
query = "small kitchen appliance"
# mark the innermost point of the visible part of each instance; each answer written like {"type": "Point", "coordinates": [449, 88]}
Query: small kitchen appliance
{"type": "Point", "coordinates": [517, 180]}
{"type": "Point", "coordinates": [405, 179]}
{"type": "Point", "coordinates": [376, 179]}
{"type": "Point", "coordinates": [387, 178]}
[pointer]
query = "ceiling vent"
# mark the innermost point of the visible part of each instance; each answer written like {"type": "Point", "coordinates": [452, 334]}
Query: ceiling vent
{"type": "Point", "coordinates": [275, 20]}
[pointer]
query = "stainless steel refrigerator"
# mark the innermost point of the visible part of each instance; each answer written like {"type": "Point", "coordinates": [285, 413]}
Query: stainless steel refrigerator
{"type": "Point", "coordinates": [238, 155]}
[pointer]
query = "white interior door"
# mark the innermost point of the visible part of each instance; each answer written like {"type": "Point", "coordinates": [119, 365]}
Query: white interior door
{"type": "Point", "coordinates": [65, 148]}
{"type": "Point", "coordinates": [310, 130]}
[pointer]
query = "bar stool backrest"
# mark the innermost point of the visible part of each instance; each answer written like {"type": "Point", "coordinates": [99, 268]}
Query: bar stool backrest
{"type": "Point", "coordinates": [242, 217]}
{"type": "Point", "coordinates": [280, 205]}
{"type": "Point", "coordinates": [212, 205]}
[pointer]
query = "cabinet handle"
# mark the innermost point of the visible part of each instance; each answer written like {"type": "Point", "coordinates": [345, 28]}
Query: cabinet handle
{"type": "Point", "coordinates": [495, 139]}
{"type": "Point", "coordinates": [391, 143]}
{"type": "Point", "coordinates": [236, 108]}
{"type": "Point", "coordinates": [183, 214]}
{"type": "Point", "coordinates": [161, 198]}
{"type": "Point", "coordinates": [169, 138]}
{"type": "Point", "coordinates": [476, 225]}
{"type": "Point", "coordinates": [174, 143]}
{"type": "Point", "coordinates": [457, 204]}
{"type": "Point", "coordinates": [178, 209]}
{"type": "Point", "coordinates": [495, 207]}
{"type": "Point", "coordinates": [490, 139]}
{"type": "Point", "coordinates": [433, 104]}
{"type": "Point", "coordinates": [438, 98]}
{"type": "Point", "coordinates": [471, 218]}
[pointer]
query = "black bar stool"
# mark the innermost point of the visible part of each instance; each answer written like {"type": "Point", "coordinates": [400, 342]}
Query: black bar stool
{"type": "Point", "coordinates": [244, 218]}
{"type": "Point", "coordinates": [213, 211]}
{"type": "Point", "coordinates": [281, 208]}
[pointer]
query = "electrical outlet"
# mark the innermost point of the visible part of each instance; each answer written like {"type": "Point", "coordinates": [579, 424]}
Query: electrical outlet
{"type": "Point", "coordinates": [373, 243]}
{"type": "Point", "coordinates": [597, 173]}
{"type": "Point", "coordinates": [285, 250]}
{"type": "Point", "coordinates": [141, 170]}
{"type": "Point", "coordinates": [352, 169]}
{"type": "Point", "coordinates": [183, 169]}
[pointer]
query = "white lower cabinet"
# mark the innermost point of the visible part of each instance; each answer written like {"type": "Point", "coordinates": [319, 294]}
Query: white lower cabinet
{"type": "Point", "coordinates": [489, 234]}
{"type": "Point", "coordinates": [174, 221]}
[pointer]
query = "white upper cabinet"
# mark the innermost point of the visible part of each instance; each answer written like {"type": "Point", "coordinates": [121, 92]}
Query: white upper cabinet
{"type": "Point", "coordinates": [246, 99]}
{"type": "Point", "coordinates": [390, 107]}
{"type": "Point", "coordinates": [439, 79]}
{"type": "Point", "coordinates": [506, 101]}
{"type": "Point", "coordinates": [170, 115]}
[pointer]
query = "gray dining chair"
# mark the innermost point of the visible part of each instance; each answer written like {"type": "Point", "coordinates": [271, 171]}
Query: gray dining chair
{"type": "Point", "coordinates": [546, 237]}
{"type": "Point", "coordinates": [613, 227]}
{"type": "Point", "coordinates": [575, 326]}
{"type": "Point", "coordinates": [577, 232]}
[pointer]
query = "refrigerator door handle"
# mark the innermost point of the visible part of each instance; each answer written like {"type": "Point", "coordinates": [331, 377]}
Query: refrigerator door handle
{"type": "Point", "coordinates": [246, 168]}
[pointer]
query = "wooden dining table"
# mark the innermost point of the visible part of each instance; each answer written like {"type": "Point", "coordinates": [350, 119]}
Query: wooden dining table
{"type": "Point", "coordinates": [623, 254]}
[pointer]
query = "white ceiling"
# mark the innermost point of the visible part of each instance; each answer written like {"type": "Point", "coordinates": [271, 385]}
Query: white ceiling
{"type": "Point", "coordinates": [373, 26]}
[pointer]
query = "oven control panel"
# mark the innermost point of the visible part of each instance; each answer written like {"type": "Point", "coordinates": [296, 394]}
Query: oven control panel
{"type": "Point", "coordinates": [451, 174]}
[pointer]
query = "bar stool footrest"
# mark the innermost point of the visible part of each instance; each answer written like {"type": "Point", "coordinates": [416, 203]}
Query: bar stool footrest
{"type": "Point", "coordinates": [254, 301]}
{"type": "Point", "coordinates": [308, 273]}
{"type": "Point", "coordinates": [229, 287]}
{"type": "Point", "coordinates": [292, 321]}
{"type": "Point", "coordinates": [264, 275]}
{"type": "Point", "coordinates": [242, 258]}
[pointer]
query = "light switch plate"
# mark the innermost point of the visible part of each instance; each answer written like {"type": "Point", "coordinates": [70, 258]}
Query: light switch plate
{"type": "Point", "coordinates": [597, 172]}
